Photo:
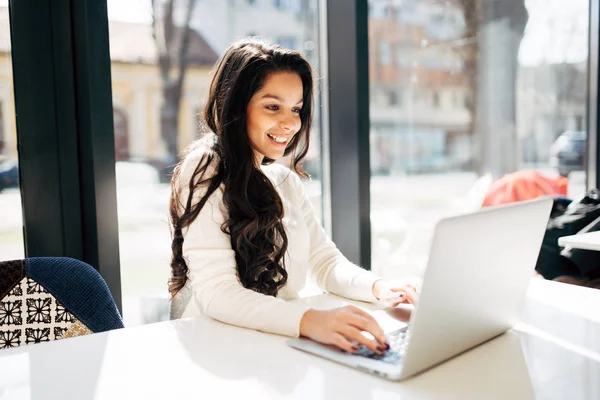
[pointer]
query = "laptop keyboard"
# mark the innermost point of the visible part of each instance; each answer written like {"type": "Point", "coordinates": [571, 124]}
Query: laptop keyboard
{"type": "Point", "coordinates": [397, 340]}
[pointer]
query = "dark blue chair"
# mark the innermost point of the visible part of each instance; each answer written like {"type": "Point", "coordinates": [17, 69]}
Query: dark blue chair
{"type": "Point", "coordinates": [50, 298]}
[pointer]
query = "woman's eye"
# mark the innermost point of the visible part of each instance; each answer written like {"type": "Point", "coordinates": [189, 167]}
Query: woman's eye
{"type": "Point", "coordinates": [273, 108]}
{"type": "Point", "coordinates": [296, 110]}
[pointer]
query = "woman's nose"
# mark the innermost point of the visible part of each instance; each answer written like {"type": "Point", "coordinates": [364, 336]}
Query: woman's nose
{"type": "Point", "coordinates": [290, 123]}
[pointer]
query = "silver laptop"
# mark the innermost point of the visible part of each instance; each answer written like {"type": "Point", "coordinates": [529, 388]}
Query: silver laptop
{"type": "Point", "coordinates": [473, 290]}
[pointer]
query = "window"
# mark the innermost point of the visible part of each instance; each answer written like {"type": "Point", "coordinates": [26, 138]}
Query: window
{"type": "Point", "coordinates": [393, 98]}
{"type": "Point", "coordinates": [436, 99]}
{"type": "Point", "coordinates": [11, 227]}
{"type": "Point", "coordinates": [426, 157]}
{"type": "Point", "coordinates": [286, 5]}
{"type": "Point", "coordinates": [456, 99]}
{"type": "Point", "coordinates": [579, 123]}
{"type": "Point", "coordinates": [121, 135]}
{"type": "Point", "coordinates": [385, 11]}
{"type": "Point", "coordinates": [147, 144]}
{"type": "Point", "coordinates": [1, 129]}
{"type": "Point", "coordinates": [385, 53]}
{"type": "Point", "coordinates": [378, 9]}
{"type": "Point", "coordinates": [289, 42]}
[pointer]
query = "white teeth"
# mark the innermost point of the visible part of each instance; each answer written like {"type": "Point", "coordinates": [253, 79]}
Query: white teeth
{"type": "Point", "coordinates": [278, 139]}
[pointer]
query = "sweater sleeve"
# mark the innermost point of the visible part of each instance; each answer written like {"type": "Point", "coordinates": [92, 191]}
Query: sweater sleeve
{"type": "Point", "coordinates": [329, 268]}
{"type": "Point", "coordinates": [213, 274]}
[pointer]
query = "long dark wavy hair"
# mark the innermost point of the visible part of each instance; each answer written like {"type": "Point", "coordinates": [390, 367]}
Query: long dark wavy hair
{"type": "Point", "coordinates": [254, 208]}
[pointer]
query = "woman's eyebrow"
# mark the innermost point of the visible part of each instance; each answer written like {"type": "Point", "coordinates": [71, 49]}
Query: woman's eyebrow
{"type": "Point", "coordinates": [272, 96]}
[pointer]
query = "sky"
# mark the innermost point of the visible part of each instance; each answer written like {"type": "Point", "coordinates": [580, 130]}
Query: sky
{"type": "Point", "coordinates": [138, 11]}
{"type": "Point", "coordinates": [557, 30]}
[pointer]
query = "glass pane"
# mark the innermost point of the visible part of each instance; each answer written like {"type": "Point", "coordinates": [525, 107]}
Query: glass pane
{"type": "Point", "coordinates": [145, 147]}
{"type": "Point", "coordinates": [462, 94]}
{"type": "Point", "coordinates": [11, 227]}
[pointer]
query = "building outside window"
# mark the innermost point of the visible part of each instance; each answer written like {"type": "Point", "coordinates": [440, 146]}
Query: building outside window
{"type": "Point", "coordinates": [385, 53]}
{"type": "Point", "coordinates": [516, 85]}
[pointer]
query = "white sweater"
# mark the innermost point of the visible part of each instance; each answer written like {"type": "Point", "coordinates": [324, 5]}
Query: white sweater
{"type": "Point", "coordinates": [216, 290]}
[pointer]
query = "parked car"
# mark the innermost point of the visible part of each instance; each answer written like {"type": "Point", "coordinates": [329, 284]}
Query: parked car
{"type": "Point", "coordinates": [9, 174]}
{"type": "Point", "coordinates": [567, 153]}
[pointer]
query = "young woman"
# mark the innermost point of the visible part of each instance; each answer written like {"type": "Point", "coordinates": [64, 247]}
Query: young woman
{"type": "Point", "coordinates": [244, 233]}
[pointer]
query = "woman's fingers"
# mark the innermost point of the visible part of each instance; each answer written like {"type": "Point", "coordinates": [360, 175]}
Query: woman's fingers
{"type": "Point", "coordinates": [343, 343]}
{"type": "Point", "coordinates": [408, 293]}
{"type": "Point", "coordinates": [365, 322]}
{"type": "Point", "coordinates": [346, 327]}
{"type": "Point", "coordinates": [355, 335]}
{"type": "Point", "coordinates": [411, 295]}
{"type": "Point", "coordinates": [394, 303]}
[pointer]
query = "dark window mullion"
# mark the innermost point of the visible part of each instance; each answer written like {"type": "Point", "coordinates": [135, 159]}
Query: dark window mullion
{"type": "Point", "coordinates": [348, 86]}
{"type": "Point", "coordinates": [37, 127]}
{"type": "Point", "coordinates": [94, 116]}
{"type": "Point", "coordinates": [67, 138]}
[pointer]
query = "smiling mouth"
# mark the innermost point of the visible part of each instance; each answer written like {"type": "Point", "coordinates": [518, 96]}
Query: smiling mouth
{"type": "Point", "coordinates": [278, 139]}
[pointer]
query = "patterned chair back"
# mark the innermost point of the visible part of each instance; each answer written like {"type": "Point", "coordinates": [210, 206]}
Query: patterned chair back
{"type": "Point", "coordinates": [51, 298]}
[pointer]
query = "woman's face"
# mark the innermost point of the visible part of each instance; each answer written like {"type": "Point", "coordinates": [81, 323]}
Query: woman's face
{"type": "Point", "coordinates": [273, 115]}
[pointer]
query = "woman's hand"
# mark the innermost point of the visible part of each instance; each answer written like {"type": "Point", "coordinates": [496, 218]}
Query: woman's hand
{"type": "Point", "coordinates": [343, 327]}
{"type": "Point", "coordinates": [397, 291]}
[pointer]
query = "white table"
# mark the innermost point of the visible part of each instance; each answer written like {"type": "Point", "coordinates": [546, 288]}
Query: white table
{"type": "Point", "coordinates": [586, 241]}
{"type": "Point", "coordinates": [556, 354]}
